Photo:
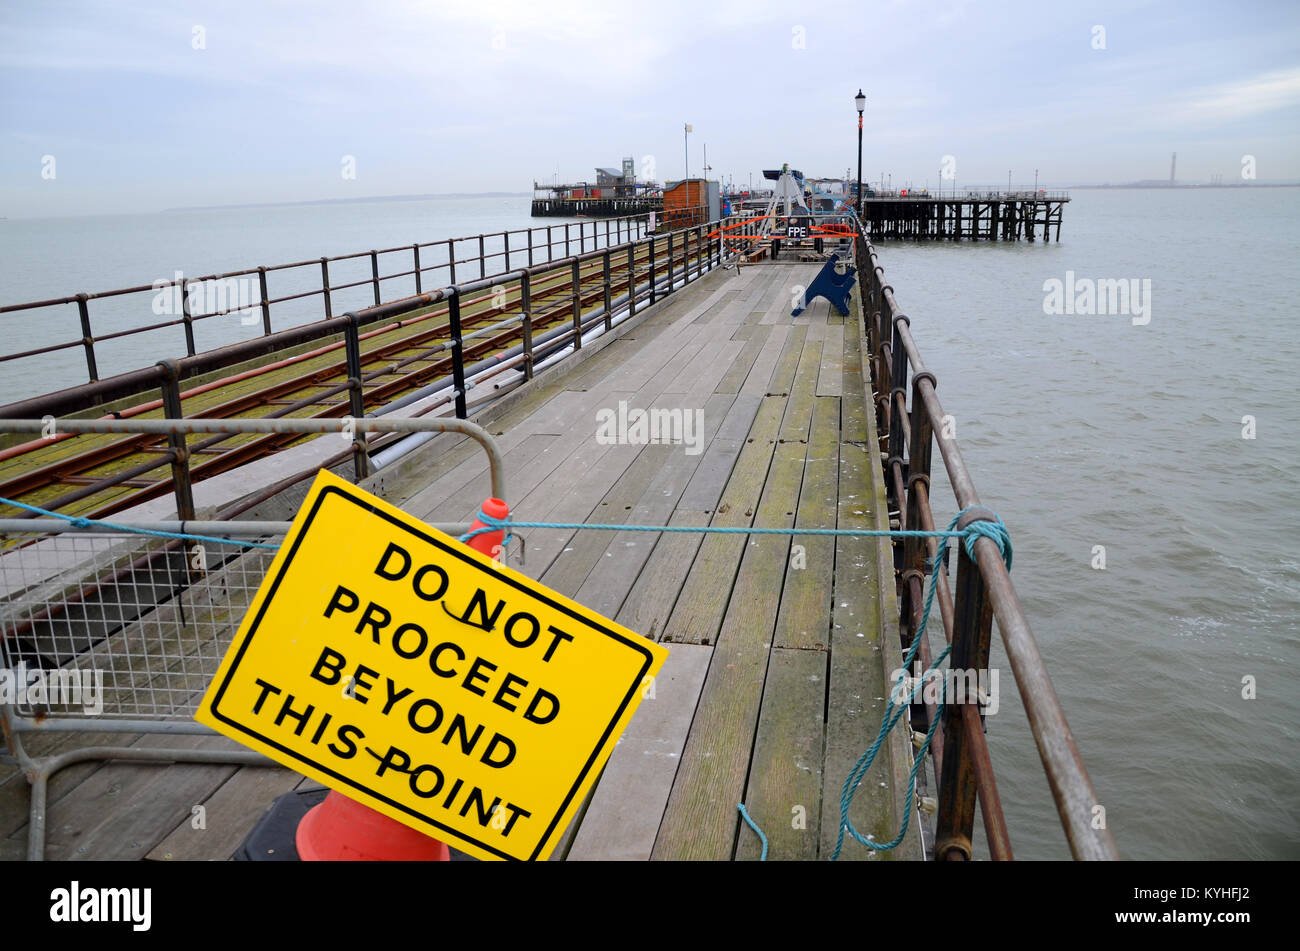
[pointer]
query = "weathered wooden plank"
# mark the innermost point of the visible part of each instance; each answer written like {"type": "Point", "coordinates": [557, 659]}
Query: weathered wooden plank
{"type": "Point", "coordinates": [617, 569]}
{"type": "Point", "coordinates": [703, 373]}
{"type": "Point", "coordinates": [706, 485]}
{"type": "Point", "coordinates": [863, 653]}
{"type": "Point", "coordinates": [670, 371]}
{"type": "Point", "coordinates": [757, 383]}
{"type": "Point", "coordinates": [700, 821]}
{"type": "Point", "coordinates": [230, 813]}
{"type": "Point", "coordinates": [570, 495]}
{"type": "Point", "coordinates": [704, 597]}
{"type": "Point", "coordinates": [584, 549]}
{"type": "Point", "coordinates": [804, 620]}
{"type": "Point", "coordinates": [856, 400]}
{"type": "Point", "coordinates": [703, 601]}
{"type": "Point", "coordinates": [124, 809]}
{"type": "Point", "coordinates": [564, 460]}
{"type": "Point", "coordinates": [15, 792]}
{"type": "Point", "coordinates": [798, 414]}
{"type": "Point", "coordinates": [831, 380]}
{"type": "Point", "coordinates": [623, 814]}
{"type": "Point", "coordinates": [650, 602]}
{"type": "Point", "coordinates": [754, 337]}
{"type": "Point", "coordinates": [469, 481]}
{"type": "Point", "coordinates": [784, 791]}
{"type": "Point", "coordinates": [720, 304]}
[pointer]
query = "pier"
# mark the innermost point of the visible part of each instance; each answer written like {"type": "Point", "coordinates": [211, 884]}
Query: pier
{"type": "Point", "coordinates": [559, 207]}
{"type": "Point", "coordinates": [782, 646]}
{"type": "Point", "coordinates": [989, 216]}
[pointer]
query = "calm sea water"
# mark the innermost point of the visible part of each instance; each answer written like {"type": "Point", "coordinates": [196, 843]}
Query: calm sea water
{"type": "Point", "coordinates": [1088, 430]}
{"type": "Point", "coordinates": [1080, 430]}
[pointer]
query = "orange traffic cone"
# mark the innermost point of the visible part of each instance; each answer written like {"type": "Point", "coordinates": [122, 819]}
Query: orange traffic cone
{"type": "Point", "coordinates": [343, 830]}
{"type": "Point", "coordinates": [489, 542]}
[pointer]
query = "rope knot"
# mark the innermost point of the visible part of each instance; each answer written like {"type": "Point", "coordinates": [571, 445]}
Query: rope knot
{"type": "Point", "coordinates": [995, 531]}
{"type": "Point", "coordinates": [80, 522]}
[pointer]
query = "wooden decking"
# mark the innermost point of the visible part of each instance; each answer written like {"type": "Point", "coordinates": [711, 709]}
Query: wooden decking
{"type": "Point", "coordinates": [780, 646]}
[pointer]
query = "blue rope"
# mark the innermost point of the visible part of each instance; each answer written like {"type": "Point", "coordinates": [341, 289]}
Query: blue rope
{"type": "Point", "coordinates": [744, 814]}
{"type": "Point", "coordinates": [79, 522]}
{"type": "Point", "coordinates": [997, 532]}
{"type": "Point", "coordinates": [491, 524]}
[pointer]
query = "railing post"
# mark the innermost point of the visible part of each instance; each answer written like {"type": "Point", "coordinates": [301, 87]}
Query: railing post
{"type": "Point", "coordinates": [530, 247]}
{"type": "Point", "coordinates": [325, 287]}
{"type": "Point", "coordinates": [415, 250]}
{"type": "Point", "coordinates": [374, 273]}
{"type": "Point", "coordinates": [550, 245]}
{"type": "Point", "coordinates": [898, 378]}
{"type": "Point", "coordinates": [577, 306]}
{"type": "Point", "coordinates": [482, 264]}
{"type": "Point", "coordinates": [915, 550]}
{"type": "Point", "coordinates": [526, 303]}
{"type": "Point", "coordinates": [187, 317]}
{"type": "Point", "coordinates": [972, 629]}
{"type": "Point", "coordinates": [582, 236]}
{"type": "Point", "coordinates": [266, 301]}
{"type": "Point", "coordinates": [652, 269]}
{"type": "Point", "coordinates": [686, 256]}
{"type": "Point", "coordinates": [566, 241]}
{"type": "Point", "coordinates": [457, 357]}
{"type": "Point", "coordinates": [505, 236]}
{"type": "Point", "coordinates": [631, 279]}
{"type": "Point", "coordinates": [609, 317]}
{"type": "Point", "coordinates": [87, 338]}
{"type": "Point", "coordinates": [171, 397]}
{"type": "Point", "coordinates": [356, 398]}
{"type": "Point", "coordinates": [671, 262]}
{"type": "Point", "coordinates": [451, 260]}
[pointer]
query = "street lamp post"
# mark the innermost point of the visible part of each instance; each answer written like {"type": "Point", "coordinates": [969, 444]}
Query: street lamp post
{"type": "Point", "coordinates": [861, 101]}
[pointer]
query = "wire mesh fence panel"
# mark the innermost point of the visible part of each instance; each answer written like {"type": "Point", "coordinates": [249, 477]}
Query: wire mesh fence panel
{"type": "Point", "coordinates": [119, 626]}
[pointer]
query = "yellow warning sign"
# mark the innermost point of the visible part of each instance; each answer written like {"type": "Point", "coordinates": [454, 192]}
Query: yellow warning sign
{"type": "Point", "coordinates": [393, 663]}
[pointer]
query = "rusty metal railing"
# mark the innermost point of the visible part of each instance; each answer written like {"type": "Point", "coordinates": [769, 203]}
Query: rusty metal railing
{"type": "Point", "coordinates": [983, 593]}
{"type": "Point", "coordinates": [267, 295]}
{"type": "Point", "coordinates": [563, 300]}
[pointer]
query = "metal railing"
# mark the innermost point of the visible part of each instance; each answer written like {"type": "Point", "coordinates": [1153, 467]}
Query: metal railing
{"type": "Point", "coordinates": [268, 297]}
{"type": "Point", "coordinates": [983, 592]}
{"type": "Point", "coordinates": [578, 295]}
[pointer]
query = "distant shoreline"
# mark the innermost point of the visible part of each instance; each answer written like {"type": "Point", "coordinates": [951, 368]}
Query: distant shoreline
{"type": "Point", "coordinates": [348, 201]}
{"type": "Point", "coordinates": [1166, 186]}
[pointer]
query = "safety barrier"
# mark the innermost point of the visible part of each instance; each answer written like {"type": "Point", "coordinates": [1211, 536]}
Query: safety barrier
{"type": "Point", "coordinates": [983, 592]}
{"type": "Point", "coordinates": [117, 629]}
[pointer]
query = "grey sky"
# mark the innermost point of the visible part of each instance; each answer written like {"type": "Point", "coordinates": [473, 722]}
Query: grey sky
{"type": "Point", "coordinates": [477, 96]}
